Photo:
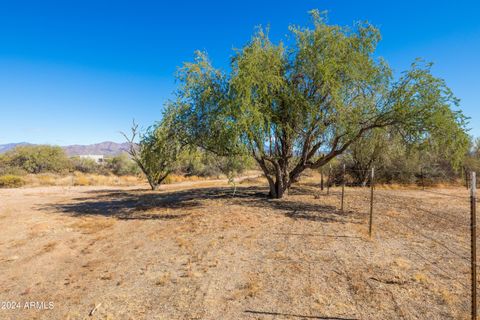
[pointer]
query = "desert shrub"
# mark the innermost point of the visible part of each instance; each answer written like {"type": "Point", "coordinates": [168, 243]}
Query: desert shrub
{"type": "Point", "coordinates": [197, 162]}
{"type": "Point", "coordinates": [11, 181]}
{"type": "Point", "coordinates": [396, 159]}
{"type": "Point", "coordinates": [3, 164]}
{"type": "Point", "coordinates": [122, 165]}
{"type": "Point", "coordinates": [38, 159]}
{"type": "Point", "coordinates": [9, 170]}
{"type": "Point", "coordinates": [86, 165]}
{"type": "Point", "coordinates": [191, 162]}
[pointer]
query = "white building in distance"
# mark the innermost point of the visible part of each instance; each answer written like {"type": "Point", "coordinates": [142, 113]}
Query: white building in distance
{"type": "Point", "coordinates": [98, 158]}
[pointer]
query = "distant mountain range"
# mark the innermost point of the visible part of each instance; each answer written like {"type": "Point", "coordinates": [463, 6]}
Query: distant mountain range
{"type": "Point", "coordinates": [8, 146]}
{"type": "Point", "coordinates": [106, 148]}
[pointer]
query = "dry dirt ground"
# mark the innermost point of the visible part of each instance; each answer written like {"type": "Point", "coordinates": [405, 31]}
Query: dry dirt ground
{"type": "Point", "coordinates": [198, 252]}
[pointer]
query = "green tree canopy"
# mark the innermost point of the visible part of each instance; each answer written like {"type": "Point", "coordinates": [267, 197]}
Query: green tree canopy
{"type": "Point", "coordinates": [298, 106]}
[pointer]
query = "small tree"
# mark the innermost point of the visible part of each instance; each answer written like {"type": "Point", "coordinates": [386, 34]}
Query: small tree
{"type": "Point", "coordinates": [38, 159]}
{"type": "Point", "coordinates": [298, 108]}
{"type": "Point", "coordinates": [157, 151]}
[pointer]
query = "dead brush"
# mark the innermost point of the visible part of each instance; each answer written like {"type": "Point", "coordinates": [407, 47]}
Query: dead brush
{"type": "Point", "coordinates": [447, 297]}
{"type": "Point", "coordinates": [421, 278]}
{"type": "Point", "coordinates": [49, 247]}
{"type": "Point", "coordinates": [92, 225]}
{"type": "Point", "coordinates": [402, 263]}
{"type": "Point", "coordinates": [163, 279]}
{"type": "Point", "coordinates": [80, 179]}
{"type": "Point", "coordinates": [252, 287]}
{"type": "Point", "coordinates": [175, 178]}
{"type": "Point", "coordinates": [183, 243]}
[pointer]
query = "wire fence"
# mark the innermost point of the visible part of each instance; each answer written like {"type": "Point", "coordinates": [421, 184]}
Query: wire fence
{"type": "Point", "coordinates": [461, 274]}
{"type": "Point", "coordinates": [459, 249]}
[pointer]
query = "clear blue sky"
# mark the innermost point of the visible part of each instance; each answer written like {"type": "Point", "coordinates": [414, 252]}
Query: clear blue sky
{"type": "Point", "coordinates": [80, 71]}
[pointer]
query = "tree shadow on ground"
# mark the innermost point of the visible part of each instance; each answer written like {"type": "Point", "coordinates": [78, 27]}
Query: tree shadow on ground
{"type": "Point", "coordinates": [166, 205]}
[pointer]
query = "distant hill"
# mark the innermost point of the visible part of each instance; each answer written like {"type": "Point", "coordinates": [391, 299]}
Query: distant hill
{"type": "Point", "coordinates": [106, 148]}
{"type": "Point", "coordinates": [8, 146]}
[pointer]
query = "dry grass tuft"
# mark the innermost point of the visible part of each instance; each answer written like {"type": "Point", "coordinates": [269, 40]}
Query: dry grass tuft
{"type": "Point", "coordinates": [11, 181]}
{"type": "Point", "coordinates": [447, 296]}
{"type": "Point", "coordinates": [252, 287]}
{"type": "Point", "coordinates": [183, 243]}
{"type": "Point", "coordinates": [80, 179]}
{"type": "Point", "coordinates": [402, 263]}
{"type": "Point", "coordinates": [421, 278]}
{"type": "Point", "coordinates": [49, 247]}
{"type": "Point", "coordinates": [253, 181]}
{"type": "Point", "coordinates": [91, 225]}
{"type": "Point", "coordinates": [163, 279]}
{"type": "Point", "coordinates": [392, 212]}
{"type": "Point", "coordinates": [83, 179]}
{"type": "Point", "coordinates": [175, 178]}
{"type": "Point", "coordinates": [397, 186]}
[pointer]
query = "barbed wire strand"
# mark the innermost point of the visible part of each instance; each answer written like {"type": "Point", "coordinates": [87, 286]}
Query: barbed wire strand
{"type": "Point", "coordinates": [431, 213]}
{"type": "Point", "coordinates": [429, 238]}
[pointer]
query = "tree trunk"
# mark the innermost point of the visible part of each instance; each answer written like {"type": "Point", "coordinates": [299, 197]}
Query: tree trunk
{"type": "Point", "coordinates": [281, 188]}
{"type": "Point", "coordinates": [153, 185]}
{"type": "Point", "coordinates": [273, 189]}
{"type": "Point", "coordinates": [277, 188]}
{"type": "Point", "coordinates": [279, 178]}
{"type": "Point", "coordinates": [366, 177]}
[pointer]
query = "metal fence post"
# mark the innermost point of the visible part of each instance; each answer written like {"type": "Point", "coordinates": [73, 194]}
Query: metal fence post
{"type": "Point", "coordinates": [473, 229]}
{"type": "Point", "coordinates": [465, 172]}
{"type": "Point", "coordinates": [372, 183]}
{"type": "Point", "coordinates": [423, 180]}
{"type": "Point", "coordinates": [329, 179]}
{"type": "Point", "coordinates": [321, 178]}
{"type": "Point", "coordinates": [343, 187]}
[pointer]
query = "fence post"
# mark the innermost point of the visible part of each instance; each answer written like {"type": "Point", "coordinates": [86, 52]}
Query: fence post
{"type": "Point", "coordinates": [321, 178]}
{"type": "Point", "coordinates": [473, 232]}
{"type": "Point", "coordinates": [465, 172]}
{"type": "Point", "coordinates": [343, 187]}
{"type": "Point", "coordinates": [423, 181]}
{"type": "Point", "coordinates": [372, 183]}
{"type": "Point", "coordinates": [329, 179]}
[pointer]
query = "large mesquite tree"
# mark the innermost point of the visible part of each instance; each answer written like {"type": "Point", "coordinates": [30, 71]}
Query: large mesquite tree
{"type": "Point", "coordinates": [299, 106]}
